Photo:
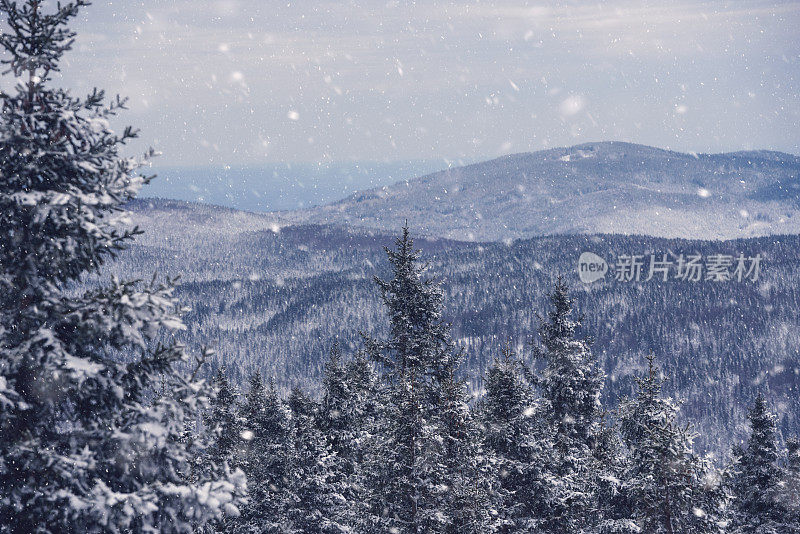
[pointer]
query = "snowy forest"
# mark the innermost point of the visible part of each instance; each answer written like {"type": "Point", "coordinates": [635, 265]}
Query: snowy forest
{"type": "Point", "coordinates": [263, 299]}
{"type": "Point", "coordinates": [109, 424]}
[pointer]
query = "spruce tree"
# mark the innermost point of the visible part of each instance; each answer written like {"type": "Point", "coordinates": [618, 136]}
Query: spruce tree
{"type": "Point", "coordinates": [267, 462]}
{"type": "Point", "coordinates": [613, 507]}
{"type": "Point", "coordinates": [86, 444]}
{"type": "Point", "coordinates": [570, 384]}
{"type": "Point", "coordinates": [317, 503]}
{"type": "Point", "coordinates": [223, 423]}
{"type": "Point", "coordinates": [517, 445]}
{"type": "Point", "coordinates": [344, 412]}
{"type": "Point", "coordinates": [253, 402]}
{"type": "Point", "coordinates": [758, 480]}
{"type": "Point", "coordinates": [334, 413]}
{"type": "Point", "coordinates": [471, 500]}
{"type": "Point", "coordinates": [407, 469]}
{"type": "Point", "coordinates": [347, 418]}
{"type": "Point", "coordinates": [791, 486]}
{"type": "Point", "coordinates": [253, 406]}
{"type": "Point", "coordinates": [572, 380]}
{"type": "Point", "coordinates": [793, 455]}
{"type": "Point", "coordinates": [670, 489]}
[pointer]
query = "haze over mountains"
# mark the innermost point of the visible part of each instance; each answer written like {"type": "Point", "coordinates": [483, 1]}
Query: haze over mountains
{"type": "Point", "coordinates": [281, 186]}
{"type": "Point", "coordinates": [608, 187]}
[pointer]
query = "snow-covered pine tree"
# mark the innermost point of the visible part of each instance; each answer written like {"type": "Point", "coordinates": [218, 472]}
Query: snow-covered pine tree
{"type": "Point", "coordinates": [334, 413]}
{"type": "Point", "coordinates": [758, 479]}
{"type": "Point", "coordinates": [793, 455]}
{"type": "Point", "coordinates": [317, 503]}
{"type": "Point", "coordinates": [250, 411]}
{"type": "Point", "coordinates": [570, 383]}
{"type": "Point", "coordinates": [571, 380]}
{"type": "Point", "coordinates": [344, 410]}
{"type": "Point", "coordinates": [222, 428]}
{"type": "Point", "coordinates": [86, 445]}
{"type": "Point", "coordinates": [614, 510]}
{"type": "Point", "coordinates": [253, 405]}
{"type": "Point", "coordinates": [223, 424]}
{"type": "Point", "coordinates": [267, 462]}
{"type": "Point", "coordinates": [471, 501]}
{"type": "Point", "coordinates": [517, 445]}
{"type": "Point", "coordinates": [406, 470]}
{"type": "Point", "coordinates": [347, 418]}
{"type": "Point", "coordinates": [670, 489]}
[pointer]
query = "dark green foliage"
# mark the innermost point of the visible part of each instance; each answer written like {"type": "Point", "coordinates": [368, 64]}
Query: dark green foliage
{"type": "Point", "coordinates": [759, 483]}
{"type": "Point", "coordinates": [317, 503]}
{"type": "Point", "coordinates": [612, 507]}
{"type": "Point", "coordinates": [267, 461]}
{"type": "Point", "coordinates": [571, 380]}
{"type": "Point", "coordinates": [570, 385]}
{"type": "Point", "coordinates": [791, 487]}
{"type": "Point", "coordinates": [347, 418]}
{"type": "Point", "coordinates": [87, 443]}
{"type": "Point", "coordinates": [414, 485]}
{"type": "Point", "coordinates": [470, 502]}
{"type": "Point", "coordinates": [518, 444]}
{"type": "Point", "coordinates": [223, 423]}
{"type": "Point", "coordinates": [670, 489]}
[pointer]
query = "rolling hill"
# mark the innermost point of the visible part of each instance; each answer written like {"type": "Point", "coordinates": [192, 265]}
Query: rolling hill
{"type": "Point", "coordinates": [274, 291]}
{"type": "Point", "coordinates": [275, 297]}
{"type": "Point", "coordinates": [608, 187]}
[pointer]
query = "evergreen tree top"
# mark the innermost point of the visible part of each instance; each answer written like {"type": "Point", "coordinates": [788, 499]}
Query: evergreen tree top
{"type": "Point", "coordinates": [419, 341]}
{"type": "Point", "coordinates": [648, 409]}
{"type": "Point", "coordinates": [61, 165]}
{"type": "Point", "coordinates": [334, 376]}
{"type": "Point", "coordinates": [758, 480]}
{"type": "Point", "coordinates": [761, 419]}
{"type": "Point", "coordinates": [300, 403]}
{"type": "Point", "coordinates": [37, 39]}
{"type": "Point", "coordinates": [508, 394]}
{"type": "Point", "coordinates": [223, 385]}
{"type": "Point", "coordinates": [407, 271]}
{"type": "Point", "coordinates": [571, 380]}
{"type": "Point", "coordinates": [762, 448]}
{"type": "Point", "coordinates": [793, 454]}
{"type": "Point", "coordinates": [256, 384]}
{"type": "Point", "coordinates": [561, 325]}
{"type": "Point", "coordinates": [650, 386]}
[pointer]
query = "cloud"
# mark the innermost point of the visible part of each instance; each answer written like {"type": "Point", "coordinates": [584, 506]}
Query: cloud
{"type": "Point", "coordinates": [372, 79]}
{"type": "Point", "coordinates": [572, 105]}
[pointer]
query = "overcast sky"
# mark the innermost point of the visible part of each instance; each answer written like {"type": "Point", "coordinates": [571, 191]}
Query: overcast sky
{"type": "Point", "coordinates": [255, 81]}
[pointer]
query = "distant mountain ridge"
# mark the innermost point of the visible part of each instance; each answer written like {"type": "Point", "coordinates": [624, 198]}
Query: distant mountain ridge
{"type": "Point", "coordinates": [272, 292]}
{"type": "Point", "coordinates": [606, 187]}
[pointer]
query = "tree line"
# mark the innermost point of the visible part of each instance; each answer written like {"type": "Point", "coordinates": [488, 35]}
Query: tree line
{"type": "Point", "coordinates": [396, 444]}
{"type": "Point", "coordinates": [277, 324]}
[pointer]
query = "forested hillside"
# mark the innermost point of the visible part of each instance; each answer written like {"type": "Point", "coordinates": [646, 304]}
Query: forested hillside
{"type": "Point", "coordinates": [607, 187]}
{"type": "Point", "coordinates": [395, 443]}
{"type": "Point", "coordinates": [276, 300]}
